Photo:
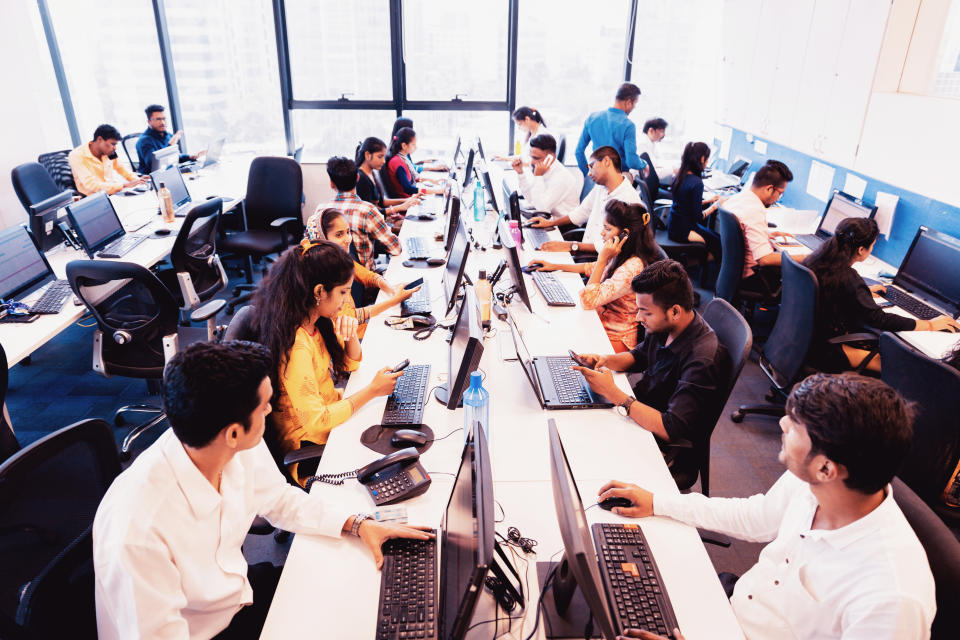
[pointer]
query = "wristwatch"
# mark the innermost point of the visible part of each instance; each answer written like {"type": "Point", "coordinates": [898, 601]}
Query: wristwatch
{"type": "Point", "coordinates": [357, 520]}
{"type": "Point", "coordinates": [624, 407]}
{"type": "Point", "coordinates": [574, 247]}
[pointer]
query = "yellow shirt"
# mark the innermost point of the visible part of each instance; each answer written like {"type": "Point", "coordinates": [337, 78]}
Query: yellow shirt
{"type": "Point", "coordinates": [94, 174]}
{"type": "Point", "coordinates": [370, 280]}
{"type": "Point", "coordinates": [309, 406]}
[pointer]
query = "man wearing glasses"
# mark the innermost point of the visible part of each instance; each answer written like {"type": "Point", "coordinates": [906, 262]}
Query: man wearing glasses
{"type": "Point", "coordinates": [550, 187]}
{"type": "Point", "coordinates": [156, 137]}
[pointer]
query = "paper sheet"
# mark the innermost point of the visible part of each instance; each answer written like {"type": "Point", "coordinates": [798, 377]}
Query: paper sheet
{"type": "Point", "coordinates": [854, 185]}
{"type": "Point", "coordinates": [725, 136]}
{"type": "Point", "coordinates": [820, 181]}
{"type": "Point", "coordinates": [886, 207]}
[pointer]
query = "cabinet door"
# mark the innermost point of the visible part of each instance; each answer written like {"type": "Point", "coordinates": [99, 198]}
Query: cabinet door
{"type": "Point", "coordinates": [791, 52]}
{"type": "Point", "coordinates": [740, 18]}
{"type": "Point", "coordinates": [763, 68]}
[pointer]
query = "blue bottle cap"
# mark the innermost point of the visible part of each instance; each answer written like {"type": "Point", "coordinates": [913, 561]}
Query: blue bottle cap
{"type": "Point", "coordinates": [475, 380]}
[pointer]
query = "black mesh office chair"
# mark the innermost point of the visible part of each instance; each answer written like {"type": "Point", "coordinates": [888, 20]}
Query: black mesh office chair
{"type": "Point", "coordinates": [561, 148]}
{"type": "Point", "coordinates": [129, 144]}
{"type": "Point", "coordinates": [271, 215]}
{"type": "Point", "coordinates": [733, 248]}
{"type": "Point", "coordinates": [8, 439]}
{"type": "Point", "coordinates": [49, 494]}
{"type": "Point", "coordinates": [58, 167]}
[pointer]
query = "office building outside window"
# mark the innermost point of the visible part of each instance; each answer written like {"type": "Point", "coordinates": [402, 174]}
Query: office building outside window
{"type": "Point", "coordinates": [946, 82]}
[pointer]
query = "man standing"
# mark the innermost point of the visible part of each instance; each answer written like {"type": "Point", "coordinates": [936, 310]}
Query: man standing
{"type": "Point", "coordinates": [156, 137]}
{"type": "Point", "coordinates": [95, 166]}
{"type": "Point", "coordinates": [613, 128]}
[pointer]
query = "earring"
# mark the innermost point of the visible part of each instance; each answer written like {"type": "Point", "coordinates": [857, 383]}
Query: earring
{"type": "Point", "coordinates": [316, 300]}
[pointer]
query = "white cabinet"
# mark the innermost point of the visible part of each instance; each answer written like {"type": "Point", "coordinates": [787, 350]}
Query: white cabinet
{"type": "Point", "coordinates": [740, 18]}
{"type": "Point", "coordinates": [764, 67]}
{"type": "Point", "coordinates": [791, 51]}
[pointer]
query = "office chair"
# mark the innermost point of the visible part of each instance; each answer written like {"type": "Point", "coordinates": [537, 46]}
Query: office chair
{"type": "Point", "coordinates": [943, 554]}
{"type": "Point", "coordinates": [137, 329]}
{"type": "Point", "coordinates": [562, 149]}
{"type": "Point", "coordinates": [8, 439]}
{"type": "Point", "coordinates": [129, 144]}
{"type": "Point", "coordinates": [271, 215]}
{"type": "Point", "coordinates": [733, 249]}
{"type": "Point", "coordinates": [660, 196]}
{"type": "Point", "coordinates": [58, 167]}
{"type": "Point", "coordinates": [49, 493]}
{"type": "Point", "coordinates": [36, 189]}
{"type": "Point", "coordinates": [686, 253]}
{"type": "Point", "coordinates": [588, 184]}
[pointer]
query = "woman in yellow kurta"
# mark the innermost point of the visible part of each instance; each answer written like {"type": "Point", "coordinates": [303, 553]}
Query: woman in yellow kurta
{"type": "Point", "coordinates": [298, 316]}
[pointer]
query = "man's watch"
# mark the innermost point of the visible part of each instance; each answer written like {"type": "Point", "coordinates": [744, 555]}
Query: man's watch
{"type": "Point", "coordinates": [574, 247]}
{"type": "Point", "coordinates": [624, 407]}
{"type": "Point", "coordinates": [357, 520]}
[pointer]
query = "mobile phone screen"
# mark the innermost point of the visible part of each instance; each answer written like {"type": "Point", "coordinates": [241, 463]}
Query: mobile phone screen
{"type": "Point", "coordinates": [413, 285]}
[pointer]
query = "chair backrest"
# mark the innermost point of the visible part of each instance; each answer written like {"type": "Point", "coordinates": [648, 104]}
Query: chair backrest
{"type": "Point", "coordinates": [561, 148]}
{"type": "Point", "coordinates": [8, 440]}
{"type": "Point", "coordinates": [652, 179]}
{"type": "Point", "coordinates": [241, 326]}
{"type": "Point", "coordinates": [733, 250]}
{"type": "Point", "coordinates": [943, 554]}
{"type": "Point", "coordinates": [58, 167]}
{"type": "Point", "coordinates": [129, 144]}
{"type": "Point", "coordinates": [785, 350]}
{"type": "Point", "coordinates": [133, 310]}
{"type": "Point", "coordinates": [644, 193]}
{"type": "Point", "coordinates": [587, 187]}
{"type": "Point", "coordinates": [33, 184]}
{"type": "Point", "coordinates": [934, 388]}
{"type": "Point", "coordinates": [274, 190]}
{"type": "Point", "coordinates": [195, 249]}
{"type": "Point", "coordinates": [49, 494]}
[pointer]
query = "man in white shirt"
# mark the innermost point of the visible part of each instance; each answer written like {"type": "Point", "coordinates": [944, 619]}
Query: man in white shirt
{"type": "Point", "coordinates": [604, 170]}
{"type": "Point", "coordinates": [550, 187]}
{"type": "Point", "coordinates": [842, 560]}
{"type": "Point", "coordinates": [167, 535]}
{"type": "Point", "coordinates": [654, 130]}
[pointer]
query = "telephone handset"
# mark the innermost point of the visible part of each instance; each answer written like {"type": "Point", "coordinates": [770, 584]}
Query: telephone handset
{"type": "Point", "coordinates": [395, 477]}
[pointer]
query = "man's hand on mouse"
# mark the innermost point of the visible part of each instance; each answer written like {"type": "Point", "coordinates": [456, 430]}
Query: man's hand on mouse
{"type": "Point", "coordinates": [641, 499]}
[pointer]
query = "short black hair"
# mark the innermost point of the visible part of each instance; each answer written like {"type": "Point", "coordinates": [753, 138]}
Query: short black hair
{"type": "Point", "coordinates": [654, 123]}
{"type": "Point", "coordinates": [208, 386]}
{"type": "Point", "coordinates": [152, 109]}
{"type": "Point", "coordinates": [544, 142]}
{"type": "Point", "coordinates": [607, 152]}
{"type": "Point", "coordinates": [628, 91]}
{"type": "Point", "coordinates": [667, 282]}
{"type": "Point", "coordinates": [774, 173]}
{"type": "Point", "coordinates": [107, 132]}
{"type": "Point", "coordinates": [856, 421]}
{"type": "Point", "coordinates": [343, 173]}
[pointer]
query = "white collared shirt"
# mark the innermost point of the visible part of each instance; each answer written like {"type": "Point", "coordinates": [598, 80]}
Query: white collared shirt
{"type": "Point", "coordinates": [867, 580]}
{"type": "Point", "coordinates": [752, 214]}
{"type": "Point", "coordinates": [592, 209]}
{"type": "Point", "coordinates": [166, 544]}
{"type": "Point", "coordinates": [556, 191]}
{"type": "Point", "coordinates": [648, 146]}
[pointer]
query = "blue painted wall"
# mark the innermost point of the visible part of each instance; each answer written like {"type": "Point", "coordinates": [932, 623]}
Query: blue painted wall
{"type": "Point", "coordinates": [912, 211]}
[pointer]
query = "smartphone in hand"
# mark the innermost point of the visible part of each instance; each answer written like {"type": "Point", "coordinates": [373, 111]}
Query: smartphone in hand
{"type": "Point", "coordinates": [400, 367]}
{"type": "Point", "coordinates": [413, 285]}
{"type": "Point", "coordinates": [576, 358]}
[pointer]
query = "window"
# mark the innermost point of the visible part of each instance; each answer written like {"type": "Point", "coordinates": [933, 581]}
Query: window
{"type": "Point", "coordinates": [947, 80]}
{"type": "Point", "coordinates": [339, 48]}
{"type": "Point", "coordinates": [111, 58]}
{"type": "Point", "coordinates": [337, 132]}
{"type": "Point", "coordinates": [437, 131]}
{"type": "Point", "coordinates": [225, 58]}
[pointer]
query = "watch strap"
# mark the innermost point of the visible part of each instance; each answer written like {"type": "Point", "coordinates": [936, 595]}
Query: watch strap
{"type": "Point", "coordinates": [357, 521]}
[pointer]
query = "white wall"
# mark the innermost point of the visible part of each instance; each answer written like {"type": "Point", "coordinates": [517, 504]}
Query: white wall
{"type": "Point", "coordinates": [31, 114]}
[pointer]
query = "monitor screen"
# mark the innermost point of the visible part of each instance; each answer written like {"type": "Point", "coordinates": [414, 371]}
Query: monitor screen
{"type": "Point", "coordinates": [165, 158]}
{"type": "Point", "coordinates": [468, 169]}
{"type": "Point", "coordinates": [491, 193]}
{"type": "Point", "coordinates": [930, 267]}
{"type": "Point", "coordinates": [842, 206]}
{"type": "Point", "coordinates": [453, 221]}
{"type": "Point", "coordinates": [173, 180]}
{"type": "Point", "coordinates": [466, 348]}
{"type": "Point", "coordinates": [21, 263]}
{"type": "Point", "coordinates": [456, 263]}
{"type": "Point", "coordinates": [95, 221]}
{"type": "Point", "coordinates": [513, 260]}
{"type": "Point", "coordinates": [480, 149]}
{"type": "Point", "coordinates": [456, 154]}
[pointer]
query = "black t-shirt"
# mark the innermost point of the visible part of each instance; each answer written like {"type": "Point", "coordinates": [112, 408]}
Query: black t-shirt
{"type": "Point", "coordinates": [368, 191]}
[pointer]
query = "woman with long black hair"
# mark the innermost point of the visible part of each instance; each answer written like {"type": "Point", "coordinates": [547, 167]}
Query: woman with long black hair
{"type": "Point", "coordinates": [687, 215]}
{"type": "Point", "coordinates": [371, 156]}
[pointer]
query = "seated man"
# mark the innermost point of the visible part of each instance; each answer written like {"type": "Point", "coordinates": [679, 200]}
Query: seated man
{"type": "Point", "coordinates": [843, 562]}
{"type": "Point", "coordinates": [156, 137]}
{"type": "Point", "coordinates": [610, 184]}
{"type": "Point", "coordinates": [654, 130]}
{"type": "Point", "coordinates": [761, 263]}
{"type": "Point", "coordinates": [550, 187]}
{"type": "Point", "coordinates": [95, 165]}
{"type": "Point", "coordinates": [365, 221]}
{"type": "Point", "coordinates": [685, 367]}
{"type": "Point", "coordinates": [167, 535]}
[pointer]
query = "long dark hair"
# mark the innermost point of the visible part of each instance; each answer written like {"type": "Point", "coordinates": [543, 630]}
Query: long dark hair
{"type": "Point", "coordinates": [635, 220]}
{"type": "Point", "coordinates": [691, 162]}
{"type": "Point", "coordinates": [401, 137]}
{"type": "Point", "coordinates": [285, 296]}
{"type": "Point", "coordinates": [834, 256]}
{"type": "Point", "coordinates": [369, 145]}
{"type": "Point", "coordinates": [401, 123]}
{"type": "Point", "coordinates": [522, 113]}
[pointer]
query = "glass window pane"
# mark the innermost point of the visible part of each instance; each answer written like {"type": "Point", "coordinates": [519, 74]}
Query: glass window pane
{"type": "Point", "coordinates": [339, 47]}
{"type": "Point", "coordinates": [437, 131]}
{"type": "Point", "coordinates": [111, 58]}
{"type": "Point", "coordinates": [569, 61]}
{"type": "Point", "coordinates": [225, 56]}
{"type": "Point", "coordinates": [456, 48]}
{"type": "Point", "coordinates": [947, 80]}
{"type": "Point", "coordinates": [332, 132]}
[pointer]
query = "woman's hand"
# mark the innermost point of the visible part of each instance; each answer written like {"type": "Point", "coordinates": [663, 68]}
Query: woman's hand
{"type": "Point", "coordinates": [412, 201]}
{"type": "Point", "coordinates": [543, 265]}
{"type": "Point", "coordinates": [401, 294]}
{"type": "Point", "coordinates": [345, 327]}
{"type": "Point", "coordinates": [941, 323]}
{"type": "Point", "coordinates": [877, 288]}
{"type": "Point", "coordinates": [384, 382]}
{"type": "Point", "coordinates": [611, 249]}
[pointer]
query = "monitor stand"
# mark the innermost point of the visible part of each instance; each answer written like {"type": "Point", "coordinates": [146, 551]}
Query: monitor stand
{"type": "Point", "coordinates": [442, 395]}
{"type": "Point", "coordinates": [576, 615]}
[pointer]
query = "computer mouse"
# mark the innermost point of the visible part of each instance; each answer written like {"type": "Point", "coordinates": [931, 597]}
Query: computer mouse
{"type": "Point", "coordinates": [435, 262]}
{"type": "Point", "coordinates": [610, 503]}
{"type": "Point", "coordinates": [533, 266]}
{"type": "Point", "coordinates": [407, 437]}
{"type": "Point", "coordinates": [421, 321]}
{"type": "Point", "coordinates": [161, 232]}
{"type": "Point", "coordinates": [426, 217]}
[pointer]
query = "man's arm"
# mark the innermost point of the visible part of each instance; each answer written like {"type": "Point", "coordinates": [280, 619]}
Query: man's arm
{"type": "Point", "coordinates": [145, 149]}
{"type": "Point", "coordinates": [892, 617]}
{"type": "Point", "coordinates": [774, 258]}
{"type": "Point", "coordinates": [632, 160]}
{"type": "Point", "coordinates": [582, 149]}
{"type": "Point", "coordinates": [122, 170]}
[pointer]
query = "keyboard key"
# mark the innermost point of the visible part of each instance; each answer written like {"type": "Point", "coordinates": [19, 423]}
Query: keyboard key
{"type": "Point", "coordinates": [552, 290]}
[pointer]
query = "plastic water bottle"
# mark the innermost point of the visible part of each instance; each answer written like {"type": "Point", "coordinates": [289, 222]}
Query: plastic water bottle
{"type": "Point", "coordinates": [476, 406]}
{"type": "Point", "coordinates": [479, 207]}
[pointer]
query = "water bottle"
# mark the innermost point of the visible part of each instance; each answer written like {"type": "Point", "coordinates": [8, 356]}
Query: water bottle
{"type": "Point", "coordinates": [479, 208]}
{"type": "Point", "coordinates": [476, 406]}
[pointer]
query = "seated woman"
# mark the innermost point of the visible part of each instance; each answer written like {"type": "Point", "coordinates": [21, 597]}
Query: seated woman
{"type": "Point", "coordinates": [371, 156]}
{"type": "Point", "coordinates": [333, 226]}
{"type": "Point", "coordinates": [687, 213]}
{"type": "Point", "coordinates": [530, 122]}
{"type": "Point", "coordinates": [402, 176]}
{"type": "Point", "coordinates": [628, 247]}
{"type": "Point", "coordinates": [298, 318]}
{"type": "Point", "coordinates": [846, 302]}
{"type": "Point", "coordinates": [423, 165]}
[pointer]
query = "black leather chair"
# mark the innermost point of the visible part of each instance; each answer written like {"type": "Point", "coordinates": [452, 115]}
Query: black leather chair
{"type": "Point", "coordinates": [41, 198]}
{"type": "Point", "coordinates": [58, 167]}
{"type": "Point", "coordinates": [49, 493]}
{"type": "Point", "coordinates": [8, 439]}
{"type": "Point", "coordinates": [561, 148]}
{"type": "Point", "coordinates": [129, 144]}
{"type": "Point", "coordinates": [733, 248]}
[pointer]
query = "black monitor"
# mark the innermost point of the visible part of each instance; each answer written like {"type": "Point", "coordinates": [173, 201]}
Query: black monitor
{"type": "Point", "coordinates": [172, 179]}
{"type": "Point", "coordinates": [468, 169]}
{"type": "Point", "coordinates": [466, 348]}
{"type": "Point", "coordinates": [95, 221]}
{"type": "Point", "coordinates": [491, 194]}
{"type": "Point", "coordinates": [480, 149]}
{"type": "Point", "coordinates": [930, 268]}
{"type": "Point", "coordinates": [456, 152]}
{"type": "Point", "coordinates": [456, 264]}
{"type": "Point", "coordinates": [513, 260]}
{"type": "Point", "coordinates": [739, 167]}
{"type": "Point", "coordinates": [579, 567]}
{"type": "Point", "coordinates": [23, 267]}
{"type": "Point", "coordinates": [513, 200]}
{"type": "Point", "coordinates": [453, 219]}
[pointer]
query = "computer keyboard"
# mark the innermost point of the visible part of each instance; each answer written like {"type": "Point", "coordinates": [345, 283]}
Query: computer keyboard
{"type": "Point", "coordinates": [53, 299]}
{"type": "Point", "coordinates": [405, 404]}
{"type": "Point", "coordinates": [417, 248]}
{"type": "Point", "coordinates": [537, 236]}
{"type": "Point", "coordinates": [552, 291]}
{"type": "Point", "coordinates": [908, 303]}
{"type": "Point", "coordinates": [408, 590]}
{"type": "Point", "coordinates": [631, 578]}
{"type": "Point", "coordinates": [121, 247]}
{"type": "Point", "coordinates": [568, 383]}
{"type": "Point", "coordinates": [417, 304]}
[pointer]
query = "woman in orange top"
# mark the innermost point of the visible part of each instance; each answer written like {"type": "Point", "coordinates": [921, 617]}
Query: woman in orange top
{"type": "Point", "coordinates": [628, 247]}
{"type": "Point", "coordinates": [298, 318]}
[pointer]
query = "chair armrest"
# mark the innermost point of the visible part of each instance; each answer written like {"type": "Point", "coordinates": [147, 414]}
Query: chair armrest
{"type": "Point", "coordinates": [713, 537]}
{"type": "Point", "coordinates": [309, 452]}
{"type": "Point", "coordinates": [673, 448]}
{"type": "Point", "coordinates": [574, 235]}
{"type": "Point", "coordinates": [282, 224]}
{"type": "Point", "coordinates": [208, 310]}
{"type": "Point", "coordinates": [261, 526]}
{"type": "Point", "coordinates": [847, 338]}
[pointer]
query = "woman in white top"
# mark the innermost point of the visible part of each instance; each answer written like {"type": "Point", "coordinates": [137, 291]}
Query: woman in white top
{"type": "Point", "coordinates": [530, 121]}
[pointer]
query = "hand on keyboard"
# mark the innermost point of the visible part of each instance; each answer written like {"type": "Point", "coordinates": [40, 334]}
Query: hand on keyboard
{"type": "Point", "coordinates": [641, 499]}
{"type": "Point", "coordinates": [940, 323]}
{"type": "Point", "coordinates": [646, 635]}
{"type": "Point", "coordinates": [374, 534]}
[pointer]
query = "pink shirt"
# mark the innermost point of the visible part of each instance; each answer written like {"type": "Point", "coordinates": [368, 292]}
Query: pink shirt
{"type": "Point", "coordinates": [753, 218]}
{"type": "Point", "coordinates": [615, 302]}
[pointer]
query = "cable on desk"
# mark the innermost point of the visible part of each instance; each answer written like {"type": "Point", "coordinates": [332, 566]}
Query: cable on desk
{"type": "Point", "coordinates": [441, 473]}
{"type": "Point", "coordinates": [446, 436]}
{"type": "Point", "coordinates": [546, 585]}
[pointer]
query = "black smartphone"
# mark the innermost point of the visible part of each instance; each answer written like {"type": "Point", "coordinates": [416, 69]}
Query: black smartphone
{"type": "Point", "coordinates": [400, 367]}
{"type": "Point", "coordinates": [576, 358]}
{"type": "Point", "coordinates": [413, 285]}
{"type": "Point", "coordinates": [623, 234]}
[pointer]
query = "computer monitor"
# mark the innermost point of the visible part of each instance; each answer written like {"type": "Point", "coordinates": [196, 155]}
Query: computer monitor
{"type": "Point", "coordinates": [578, 567]}
{"type": "Point", "coordinates": [480, 149]}
{"type": "Point", "coordinates": [456, 153]}
{"type": "Point", "coordinates": [468, 169]}
{"type": "Point", "coordinates": [173, 180]}
{"type": "Point", "coordinates": [165, 158]}
{"type": "Point", "coordinates": [929, 268]}
{"type": "Point", "coordinates": [491, 193]}
{"type": "Point", "coordinates": [466, 348]}
{"type": "Point", "coordinates": [456, 263]}
{"type": "Point", "coordinates": [215, 149]}
{"type": "Point", "coordinates": [513, 205]}
{"type": "Point", "coordinates": [23, 267]}
{"type": "Point", "coordinates": [453, 219]}
{"type": "Point", "coordinates": [95, 221]}
{"type": "Point", "coordinates": [513, 261]}
{"type": "Point", "coordinates": [739, 167]}
{"type": "Point", "coordinates": [840, 207]}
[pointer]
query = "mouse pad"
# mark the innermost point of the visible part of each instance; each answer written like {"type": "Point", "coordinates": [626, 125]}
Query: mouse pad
{"type": "Point", "coordinates": [377, 437]}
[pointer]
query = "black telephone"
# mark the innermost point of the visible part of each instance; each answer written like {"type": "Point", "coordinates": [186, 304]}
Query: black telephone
{"type": "Point", "coordinates": [395, 477]}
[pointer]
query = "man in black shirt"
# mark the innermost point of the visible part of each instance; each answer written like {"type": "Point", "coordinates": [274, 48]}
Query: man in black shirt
{"type": "Point", "coordinates": [685, 368]}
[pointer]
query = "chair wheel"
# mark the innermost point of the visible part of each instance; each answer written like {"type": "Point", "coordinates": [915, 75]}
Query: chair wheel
{"type": "Point", "coordinates": [737, 416]}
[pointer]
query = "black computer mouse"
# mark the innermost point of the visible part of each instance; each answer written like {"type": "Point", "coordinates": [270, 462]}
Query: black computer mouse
{"type": "Point", "coordinates": [610, 503]}
{"type": "Point", "coordinates": [160, 233]}
{"type": "Point", "coordinates": [426, 217]}
{"type": "Point", "coordinates": [407, 437]}
{"type": "Point", "coordinates": [533, 266]}
{"type": "Point", "coordinates": [435, 262]}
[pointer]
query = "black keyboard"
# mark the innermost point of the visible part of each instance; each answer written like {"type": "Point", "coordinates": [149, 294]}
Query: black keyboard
{"type": "Point", "coordinates": [569, 384]}
{"type": "Point", "coordinates": [405, 404]}
{"type": "Point", "coordinates": [552, 291]}
{"type": "Point", "coordinates": [52, 300]}
{"type": "Point", "coordinates": [417, 304]}
{"type": "Point", "coordinates": [910, 304]}
{"type": "Point", "coordinates": [121, 247]}
{"type": "Point", "coordinates": [408, 590]}
{"type": "Point", "coordinates": [417, 248]}
{"type": "Point", "coordinates": [537, 237]}
{"type": "Point", "coordinates": [632, 581]}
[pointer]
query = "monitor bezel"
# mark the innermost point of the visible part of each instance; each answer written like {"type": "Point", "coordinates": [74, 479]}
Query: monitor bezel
{"type": "Point", "coordinates": [91, 250]}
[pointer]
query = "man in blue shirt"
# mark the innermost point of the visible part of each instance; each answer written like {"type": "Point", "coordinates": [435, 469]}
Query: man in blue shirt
{"type": "Point", "coordinates": [156, 137]}
{"type": "Point", "coordinates": [614, 129]}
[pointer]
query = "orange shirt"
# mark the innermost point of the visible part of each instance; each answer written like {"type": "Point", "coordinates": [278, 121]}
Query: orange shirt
{"type": "Point", "coordinates": [94, 174]}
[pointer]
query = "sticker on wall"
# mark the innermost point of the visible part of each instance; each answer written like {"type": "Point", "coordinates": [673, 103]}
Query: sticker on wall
{"type": "Point", "coordinates": [886, 207]}
{"type": "Point", "coordinates": [854, 185]}
{"type": "Point", "coordinates": [725, 136]}
{"type": "Point", "coordinates": [820, 182]}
